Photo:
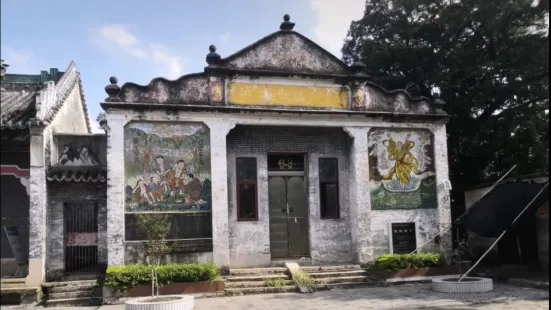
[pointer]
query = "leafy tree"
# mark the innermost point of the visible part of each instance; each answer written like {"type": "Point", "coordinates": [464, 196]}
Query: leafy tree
{"type": "Point", "coordinates": [490, 60]}
{"type": "Point", "coordinates": [156, 228]}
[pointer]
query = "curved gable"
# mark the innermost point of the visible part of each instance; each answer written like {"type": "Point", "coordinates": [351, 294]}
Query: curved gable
{"type": "Point", "coordinates": [286, 51]}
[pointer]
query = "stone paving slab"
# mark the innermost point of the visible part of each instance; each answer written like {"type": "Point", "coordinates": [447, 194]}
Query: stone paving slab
{"type": "Point", "coordinates": [399, 297]}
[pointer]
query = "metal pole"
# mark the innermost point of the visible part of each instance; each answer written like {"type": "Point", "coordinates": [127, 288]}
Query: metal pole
{"type": "Point", "coordinates": [503, 233]}
{"type": "Point", "coordinates": [449, 227]}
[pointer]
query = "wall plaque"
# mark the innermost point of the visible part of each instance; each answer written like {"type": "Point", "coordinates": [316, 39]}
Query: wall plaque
{"type": "Point", "coordinates": [191, 246]}
{"type": "Point", "coordinates": [404, 239]}
{"type": "Point", "coordinates": [188, 225]}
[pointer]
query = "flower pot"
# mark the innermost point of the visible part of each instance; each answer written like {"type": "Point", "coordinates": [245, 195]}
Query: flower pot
{"type": "Point", "coordinates": [166, 302]}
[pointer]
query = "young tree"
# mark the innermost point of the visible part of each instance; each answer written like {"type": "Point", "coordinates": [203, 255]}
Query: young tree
{"type": "Point", "coordinates": [156, 228]}
{"type": "Point", "coordinates": [490, 60]}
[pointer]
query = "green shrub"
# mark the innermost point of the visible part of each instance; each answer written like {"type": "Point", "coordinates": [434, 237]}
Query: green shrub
{"type": "Point", "coordinates": [124, 277]}
{"type": "Point", "coordinates": [404, 261]}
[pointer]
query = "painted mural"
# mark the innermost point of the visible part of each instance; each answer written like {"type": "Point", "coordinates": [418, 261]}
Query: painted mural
{"type": "Point", "coordinates": [80, 150]}
{"type": "Point", "coordinates": [167, 167]}
{"type": "Point", "coordinates": [401, 169]}
{"type": "Point", "coordinates": [82, 155]}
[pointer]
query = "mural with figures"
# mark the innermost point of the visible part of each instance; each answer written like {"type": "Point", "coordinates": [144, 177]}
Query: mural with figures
{"type": "Point", "coordinates": [167, 167]}
{"type": "Point", "coordinates": [401, 169]}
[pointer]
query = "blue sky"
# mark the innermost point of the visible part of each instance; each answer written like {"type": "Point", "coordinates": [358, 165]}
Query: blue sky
{"type": "Point", "coordinates": [139, 40]}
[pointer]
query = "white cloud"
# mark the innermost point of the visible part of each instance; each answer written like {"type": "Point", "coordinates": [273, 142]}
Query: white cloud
{"type": "Point", "coordinates": [167, 63]}
{"type": "Point", "coordinates": [333, 21]}
{"type": "Point", "coordinates": [20, 61]}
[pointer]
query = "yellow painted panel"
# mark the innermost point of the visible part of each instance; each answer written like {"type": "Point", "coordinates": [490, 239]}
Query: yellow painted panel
{"type": "Point", "coordinates": [288, 95]}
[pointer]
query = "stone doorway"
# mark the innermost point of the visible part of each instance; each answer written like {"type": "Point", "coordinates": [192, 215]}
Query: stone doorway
{"type": "Point", "coordinates": [288, 205]}
{"type": "Point", "coordinates": [81, 238]}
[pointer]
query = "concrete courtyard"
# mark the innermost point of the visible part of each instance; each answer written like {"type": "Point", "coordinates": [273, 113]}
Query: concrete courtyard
{"type": "Point", "coordinates": [413, 296]}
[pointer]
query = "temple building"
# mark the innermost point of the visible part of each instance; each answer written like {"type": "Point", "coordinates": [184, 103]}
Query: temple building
{"type": "Point", "coordinates": [278, 152]}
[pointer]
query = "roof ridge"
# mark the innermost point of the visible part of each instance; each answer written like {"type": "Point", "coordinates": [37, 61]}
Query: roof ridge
{"type": "Point", "coordinates": [64, 87]}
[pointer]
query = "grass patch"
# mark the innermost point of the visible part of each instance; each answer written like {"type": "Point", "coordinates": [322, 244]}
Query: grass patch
{"type": "Point", "coordinates": [276, 283]}
{"type": "Point", "coordinates": [303, 281]}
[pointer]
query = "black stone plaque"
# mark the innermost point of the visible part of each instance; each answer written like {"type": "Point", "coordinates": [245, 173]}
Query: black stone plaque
{"type": "Point", "coordinates": [191, 246]}
{"type": "Point", "coordinates": [189, 225]}
{"type": "Point", "coordinates": [403, 238]}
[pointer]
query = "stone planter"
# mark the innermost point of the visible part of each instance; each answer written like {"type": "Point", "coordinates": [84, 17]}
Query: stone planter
{"type": "Point", "coordinates": [467, 285]}
{"type": "Point", "coordinates": [178, 302]}
{"type": "Point", "coordinates": [420, 272]}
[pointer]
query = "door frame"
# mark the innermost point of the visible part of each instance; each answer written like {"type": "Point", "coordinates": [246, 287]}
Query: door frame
{"type": "Point", "coordinates": [303, 173]}
{"type": "Point", "coordinates": [95, 254]}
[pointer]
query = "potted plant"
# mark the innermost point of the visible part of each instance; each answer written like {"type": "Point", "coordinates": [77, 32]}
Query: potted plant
{"type": "Point", "coordinates": [156, 227]}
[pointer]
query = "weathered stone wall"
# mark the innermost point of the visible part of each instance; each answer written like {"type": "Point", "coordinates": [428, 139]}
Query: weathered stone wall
{"type": "Point", "coordinates": [58, 195]}
{"type": "Point", "coordinates": [368, 229]}
{"type": "Point", "coordinates": [330, 239]}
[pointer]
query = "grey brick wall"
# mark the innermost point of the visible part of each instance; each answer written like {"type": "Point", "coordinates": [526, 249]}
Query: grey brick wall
{"type": "Point", "coordinates": [58, 195]}
{"type": "Point", "coordinates": [330, 240]}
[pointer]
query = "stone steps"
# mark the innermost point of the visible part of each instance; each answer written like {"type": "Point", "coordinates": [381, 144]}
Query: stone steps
{"type": "Point", "coordinates": [257, 271]}
{"type": "Point", "coordinates": [11, 283]}
{"type": "Point", "coordinates": [72, 293]}
{"type": "Point", "coordinates": [75, 302]}
{"type": "Point", "coordinates": [72, 288]}
{"type": "Point", "coordinates": [256, 278]}
{"type": "Point", "coordinates": [330, 268]}
{"type": "Point", "coordinates": [71, 283]}
{"type": "Point", "coordinates": [250, 284]}
{"type": "Point", "coordinates": [336, 274]}
{"type": "Point", "coordinates": [260, 290]}
{"type": "Point", "coordinates": [257, 281]}
{"type": "Point", "coordinates": [345, 276]}
{"type": "Point", "coordinates": [352, 279]}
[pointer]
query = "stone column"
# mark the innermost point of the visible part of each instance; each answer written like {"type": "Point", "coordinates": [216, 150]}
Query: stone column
{"type": "Point", "coordinates": [360, 202]}
{"type": "Point", "coordinates": [443, 194]}
{"type": "Point", "coordinates": [219, 177]}
{"type": "Point", "coordinates": [115, 189]}
{"type": "Point", "coordinates": [37, 208]}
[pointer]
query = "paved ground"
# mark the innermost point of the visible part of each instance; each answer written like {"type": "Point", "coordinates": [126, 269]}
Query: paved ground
{"type": "Point", "coordinates": [413, 296]}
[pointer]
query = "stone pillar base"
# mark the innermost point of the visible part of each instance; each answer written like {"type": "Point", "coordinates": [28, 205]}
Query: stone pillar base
{"type": "Point", "coordinates": [36, 272]}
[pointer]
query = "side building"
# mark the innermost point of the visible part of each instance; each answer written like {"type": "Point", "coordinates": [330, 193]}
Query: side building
{"type": "Point", "coordinates": [38, 113]}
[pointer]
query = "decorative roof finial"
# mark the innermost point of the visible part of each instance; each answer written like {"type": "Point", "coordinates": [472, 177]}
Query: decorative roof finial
{"type": "Point", "coordinates": [113, 90]}
{"type": "Point", "coordinates": [438, 104]}
{"type": "Point", "coordinates": [3, 68]}
{"type": "Point", "coordinates": [358, 67]}
{"type": "Point", "coordinates": [287, 25]}
{"type": "Point", "coordinates": [212, 57]}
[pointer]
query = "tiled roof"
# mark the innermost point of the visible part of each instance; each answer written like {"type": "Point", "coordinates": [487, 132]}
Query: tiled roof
{"type": "Point", "coordinates": [19, 97]}
{"type": "Point", "coordinates": [17, 108]}
{"type": "Point", "coordinates": [86, 176]}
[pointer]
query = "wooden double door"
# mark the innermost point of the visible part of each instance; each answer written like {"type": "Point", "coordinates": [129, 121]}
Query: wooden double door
{"type": "Point", "coordinates": [288, 204]}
